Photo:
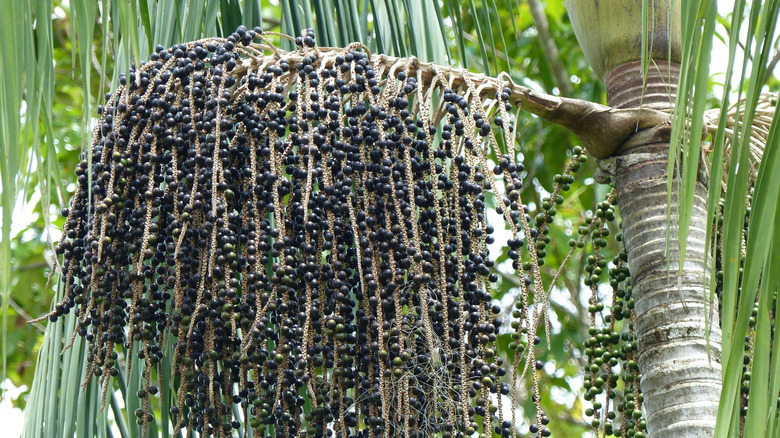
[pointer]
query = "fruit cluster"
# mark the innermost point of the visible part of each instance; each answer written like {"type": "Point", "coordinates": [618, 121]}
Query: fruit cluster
{"type": "Point", "coordinates": [304, 235]}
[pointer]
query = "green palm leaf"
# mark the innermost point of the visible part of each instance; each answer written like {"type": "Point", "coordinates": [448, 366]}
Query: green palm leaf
{"type": "Point", "coordinates": [744, 154]}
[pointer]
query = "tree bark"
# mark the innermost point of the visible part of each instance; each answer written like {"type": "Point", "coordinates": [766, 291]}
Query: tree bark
{"type": "Point", "coordinates": [678, 353]}
{"type": "Point", "coordinates": [680, 366]}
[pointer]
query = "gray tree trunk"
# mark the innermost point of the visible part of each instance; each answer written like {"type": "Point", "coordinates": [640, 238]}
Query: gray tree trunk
{"type": "Point", "coordinates": [678, 359]}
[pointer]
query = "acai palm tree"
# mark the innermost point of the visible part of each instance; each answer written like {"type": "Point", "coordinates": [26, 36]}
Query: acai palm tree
{"type": "Point", "coordinates": [398, 218]}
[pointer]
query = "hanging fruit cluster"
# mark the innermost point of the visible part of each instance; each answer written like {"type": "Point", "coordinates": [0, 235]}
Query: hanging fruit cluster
{"type": "Point", "coordinates": [304, 235]}
{"type": "Point", "coordinates": [612, 374]}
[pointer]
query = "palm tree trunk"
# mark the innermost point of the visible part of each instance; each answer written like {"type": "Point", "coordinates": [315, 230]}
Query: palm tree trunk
{"type": "Point", "coordinates": [678, 358]}
{"type": "Point", "coordinates": [678, 349]}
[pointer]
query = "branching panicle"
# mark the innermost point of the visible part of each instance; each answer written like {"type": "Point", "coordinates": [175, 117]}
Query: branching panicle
{"type": "Point", "coordinates": [305, 234]}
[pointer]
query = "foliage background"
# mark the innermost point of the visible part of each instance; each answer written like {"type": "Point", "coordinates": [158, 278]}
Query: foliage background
{"type": "Point", "coordinates": [89, 50]}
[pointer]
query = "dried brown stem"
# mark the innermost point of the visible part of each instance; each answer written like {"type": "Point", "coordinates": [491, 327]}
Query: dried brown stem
{"type": "Point", "coordinates": [602, 129]}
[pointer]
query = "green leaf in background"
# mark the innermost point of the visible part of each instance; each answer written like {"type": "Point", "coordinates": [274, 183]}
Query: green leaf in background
{"type": "Point", "coordinates": [61, 57]}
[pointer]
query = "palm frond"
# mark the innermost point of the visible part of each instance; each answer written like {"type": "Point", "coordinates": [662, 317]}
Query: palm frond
{"type": "Point", "coordinates": [744, 160]}
{"type": "Point", "coordinates": [699, 19]}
